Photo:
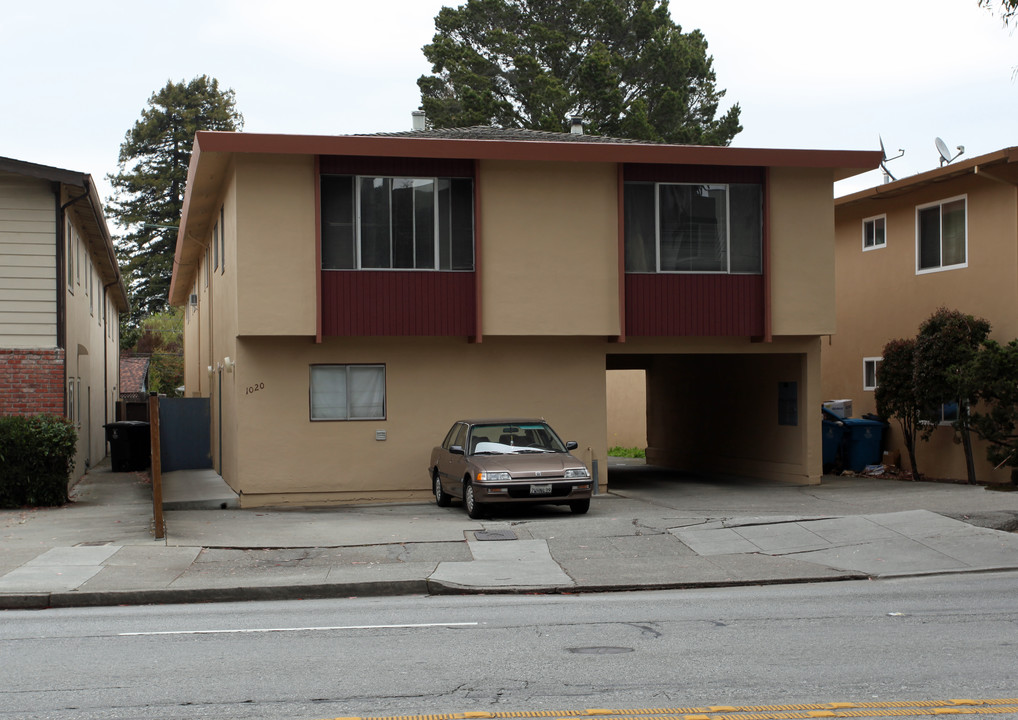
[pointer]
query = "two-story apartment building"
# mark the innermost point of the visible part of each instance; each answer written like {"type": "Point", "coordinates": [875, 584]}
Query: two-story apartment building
{"type": "Point", "coordinates": [349, 297]}
{"type": "Point", "coordinates": [947, 237]}
{"type": "Point", "coordinates": [61, 295]}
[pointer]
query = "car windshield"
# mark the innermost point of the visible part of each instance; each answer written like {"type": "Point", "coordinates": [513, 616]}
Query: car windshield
{"type": "Point", "coordinates": [523, 438]}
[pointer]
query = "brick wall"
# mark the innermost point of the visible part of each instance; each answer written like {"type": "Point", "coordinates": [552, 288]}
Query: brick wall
{"type": "Point", "coordinates": [31, 381]}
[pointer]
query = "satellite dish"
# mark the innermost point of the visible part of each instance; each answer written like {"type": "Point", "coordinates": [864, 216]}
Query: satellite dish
{"type": "Point", "coordinates": [888, 177]}
{"type": "Point", "coordinates": [945, 154]}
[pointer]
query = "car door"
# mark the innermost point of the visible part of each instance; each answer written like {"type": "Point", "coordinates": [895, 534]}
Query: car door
{"type": "Point", "coordinates": [452, 466]}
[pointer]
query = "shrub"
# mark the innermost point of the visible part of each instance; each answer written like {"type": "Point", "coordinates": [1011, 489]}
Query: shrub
{"type": "Point", "coordinates": [36, 456]}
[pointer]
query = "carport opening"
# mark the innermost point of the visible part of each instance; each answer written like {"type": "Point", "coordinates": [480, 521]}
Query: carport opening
{"type": "Point", "coordinates": [720, 414]}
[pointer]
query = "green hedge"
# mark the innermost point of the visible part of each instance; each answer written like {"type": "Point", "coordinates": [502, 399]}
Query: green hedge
{"type": "Point", "coordinates": [36, 458]}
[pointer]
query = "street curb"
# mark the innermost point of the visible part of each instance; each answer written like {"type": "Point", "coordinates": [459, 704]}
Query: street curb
{"type": "Point", "coordinates": [72, 599]}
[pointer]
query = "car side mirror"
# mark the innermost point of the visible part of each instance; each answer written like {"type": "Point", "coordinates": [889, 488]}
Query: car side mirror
{"type": "Point", "coordinates": [456, 450]}
{"type": "Point", "coordinates": [571, 445]}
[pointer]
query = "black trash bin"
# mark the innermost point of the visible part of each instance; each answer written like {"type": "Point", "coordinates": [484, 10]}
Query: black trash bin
{"type": "Point", "coordinates": [129, 445]}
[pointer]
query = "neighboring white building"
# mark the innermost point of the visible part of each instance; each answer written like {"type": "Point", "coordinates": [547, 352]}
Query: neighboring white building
{"type": "Point", "coordinates": [61, 295]}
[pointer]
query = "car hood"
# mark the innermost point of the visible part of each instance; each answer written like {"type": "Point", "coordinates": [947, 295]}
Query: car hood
{"type": "Point", "coordinates": [528, 465]}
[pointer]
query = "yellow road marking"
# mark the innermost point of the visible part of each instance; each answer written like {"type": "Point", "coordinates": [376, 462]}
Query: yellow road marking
{"type": "Point", "coordinates": [905, 708]}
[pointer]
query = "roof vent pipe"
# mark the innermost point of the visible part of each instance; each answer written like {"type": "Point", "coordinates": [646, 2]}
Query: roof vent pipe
{"type": "Point", "coordinates": [576, 125]}
{"type": "Point", "coordinates": [418, 118]}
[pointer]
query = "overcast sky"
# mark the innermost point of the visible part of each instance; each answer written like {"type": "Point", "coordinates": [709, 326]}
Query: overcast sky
{"type": "Point", "coordinates": [807, 74]}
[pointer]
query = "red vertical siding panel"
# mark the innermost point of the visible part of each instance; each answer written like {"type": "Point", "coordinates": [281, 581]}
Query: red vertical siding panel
{"type": "Point", "coordinates": [417, 303]}
{"type": "Point", "coordinates": [694, 305]}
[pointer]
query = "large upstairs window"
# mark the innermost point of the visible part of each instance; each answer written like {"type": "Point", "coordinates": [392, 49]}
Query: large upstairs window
{"type": "Point", "coordinates": [392, 223]}
{"type": "Point", "coordinates": [693, 228]}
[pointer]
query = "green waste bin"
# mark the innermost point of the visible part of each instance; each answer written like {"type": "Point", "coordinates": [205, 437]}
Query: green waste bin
{"type": "Point", "coordinates": [129, 445]}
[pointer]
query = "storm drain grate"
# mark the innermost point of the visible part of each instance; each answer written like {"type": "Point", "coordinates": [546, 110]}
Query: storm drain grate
{"type": "Point", "coordinates": [495, 535]}
{"type": "Point", "coordinates": [94, 543]}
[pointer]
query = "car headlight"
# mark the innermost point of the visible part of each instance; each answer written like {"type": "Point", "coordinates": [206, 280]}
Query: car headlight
{"type": "Point", "coordinates": [576, 473]}
{"type": "Point", "coordinates": [494, 477]}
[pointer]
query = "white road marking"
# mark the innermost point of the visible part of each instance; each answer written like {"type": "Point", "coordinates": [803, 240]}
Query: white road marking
{"type": "Point", "coordinates": [297, 629]}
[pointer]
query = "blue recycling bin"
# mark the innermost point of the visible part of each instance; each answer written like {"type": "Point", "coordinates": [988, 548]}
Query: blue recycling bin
{"type": "Point", "coordinates": [863, 443]}
{"type": "Point", "coordinates": [834, 434]}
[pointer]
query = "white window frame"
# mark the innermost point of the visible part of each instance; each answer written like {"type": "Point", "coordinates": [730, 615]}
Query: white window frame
{"type": "Point", "coordinates": [70, 257]}
{"type": "Point", "coordinates": [319, 416]}
{"type": "Point", "coordinates": [865, 362]}
{"type": "Point", "coordinates": [941, 267]}
{"type": "Point", "coordinates": [875, 245]}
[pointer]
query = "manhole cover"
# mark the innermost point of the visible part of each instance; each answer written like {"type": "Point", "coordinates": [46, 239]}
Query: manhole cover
{"type": "Point", "coordinates": [495, 535]}
{"type": "Point", "coordinates": [600, 650]}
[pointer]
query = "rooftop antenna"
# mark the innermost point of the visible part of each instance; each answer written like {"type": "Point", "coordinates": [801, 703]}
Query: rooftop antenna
{"type": "Point", "coordinates": [945, 154]}
{"type": "Point", "coordinates": [888, 177]}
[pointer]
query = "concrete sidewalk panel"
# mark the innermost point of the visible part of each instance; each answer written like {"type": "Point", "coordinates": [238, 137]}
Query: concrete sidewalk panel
{"type": "Point", "coordinates": [715, 541]}
{"type": "Point", "coordinates": [782, 538]}
{"type": "Point", "coordinates": [47, 578]}
{"type": "Point", "coordinates": [70, 556]}
{"type": "Point", "coordinates": [519, 564]}
{"type": "Point", "coordinates": [851, 529]}
{"type": "Point", "coordinates": [981, 548]}
{"type": "Point", "coordinates": [918, 524]}
{"type": "Point", "coordinates": [884, 557]}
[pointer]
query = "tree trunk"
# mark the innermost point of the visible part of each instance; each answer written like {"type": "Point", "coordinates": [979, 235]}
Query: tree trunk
{"type": "Point", "coordinates": [970, 464]}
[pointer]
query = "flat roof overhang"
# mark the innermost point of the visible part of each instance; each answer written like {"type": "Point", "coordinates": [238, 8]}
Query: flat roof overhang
{"type": "Point", "coordinates": [1000, 166]}
{"type": "Point", "coordinates": [213, 150]}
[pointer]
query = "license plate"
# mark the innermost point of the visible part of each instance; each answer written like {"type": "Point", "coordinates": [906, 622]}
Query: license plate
{"type": "Point", "coordinates": [540, 489]}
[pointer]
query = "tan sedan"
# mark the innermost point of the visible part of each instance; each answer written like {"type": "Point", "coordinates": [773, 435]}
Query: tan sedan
{"type": "Point", "coordinates": [502, 461]}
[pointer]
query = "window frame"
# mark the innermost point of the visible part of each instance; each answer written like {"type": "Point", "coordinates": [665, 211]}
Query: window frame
{"type": "Point", "coordinates": [222, 240]}
{"type": "Point", "coordinates": [728, 225]}
{"type": "Point", "coordinates": [940, 204]}
{"type": "Point", "coordinates": [70, 256]}
{"type": "Point", "coordinates": [357, 222]}
{"type": "Point", "coordinates": [875, 245]}
{"type": "Point", "coordinates": [347, 367]}
{"type": "Point", "coordinates": [875, 360]}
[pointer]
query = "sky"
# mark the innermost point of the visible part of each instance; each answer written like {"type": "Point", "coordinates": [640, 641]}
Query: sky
{"type": "Point", "coordinates": [806, 74]}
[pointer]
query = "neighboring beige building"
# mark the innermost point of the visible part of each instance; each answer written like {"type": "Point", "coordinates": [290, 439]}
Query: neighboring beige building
{"type": "Point", "coordinates": [947, 237]}
{"type": "Point", "coordinates": [348, 298]}
{"type": "Point", "coordinates": [61, 295]}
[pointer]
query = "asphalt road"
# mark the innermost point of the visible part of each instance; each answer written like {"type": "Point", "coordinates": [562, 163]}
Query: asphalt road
{"type": "Point", "coordinates": [889, 641]}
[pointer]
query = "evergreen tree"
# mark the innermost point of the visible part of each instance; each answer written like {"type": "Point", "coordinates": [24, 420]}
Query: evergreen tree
{"type": "Point", "coordinates": [896, 393]}
{"type": "Point", "coordinates": [623, 65]}
{"type": "Point", "coordinates": [945, 349]}
{"type": "Point", "coordinates": [149, 187]}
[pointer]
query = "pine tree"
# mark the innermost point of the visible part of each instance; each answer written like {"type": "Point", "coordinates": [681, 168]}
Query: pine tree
{"type": "Point", "coordinates": [623, 65]}
{"type": "Point", "coordinates": [149, 187]}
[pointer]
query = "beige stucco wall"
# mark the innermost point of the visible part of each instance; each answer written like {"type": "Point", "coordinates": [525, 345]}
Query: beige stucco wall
{"type": "Point", "coordinates": [880, 297]}
{"type": "Point", "coordinates": [272, 241]}
{"type": "Point", "coordinates": [430, 383]}
{"type": "Point", "coordinates": [802, 253]}
{"type": "Point", "coordinates": [549, 248]}
{"type": "Point", "coordinates": [627, 408]}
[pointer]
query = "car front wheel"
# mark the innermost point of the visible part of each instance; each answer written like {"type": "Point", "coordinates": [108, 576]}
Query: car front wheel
{"type": "Point", "coordinates": [579, 507]}
{"type": "Point", "coordinates": [441, 499]}
{"type": "Point", "coordinates": [474, 508]}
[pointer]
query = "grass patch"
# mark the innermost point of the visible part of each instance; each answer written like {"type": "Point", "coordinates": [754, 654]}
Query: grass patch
{"type": "Point", "coordinates": [631, 452]}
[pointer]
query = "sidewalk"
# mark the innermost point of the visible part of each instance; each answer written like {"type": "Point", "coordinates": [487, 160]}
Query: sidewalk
{"type": "Point", "coordinates": [655, 529]}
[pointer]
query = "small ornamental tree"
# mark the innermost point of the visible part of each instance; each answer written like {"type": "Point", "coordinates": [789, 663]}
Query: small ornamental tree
{"type": "Point", "coordinates": [995, 372]}
{"type": "Point", "coordinates": [947, 343]}
{"type": "Point", "coordinates": [896, 395]}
